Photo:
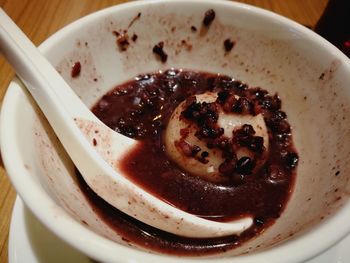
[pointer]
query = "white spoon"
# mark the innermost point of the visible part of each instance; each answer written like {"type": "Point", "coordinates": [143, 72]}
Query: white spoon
{"type": "Point", "coordinates": [93, 147]}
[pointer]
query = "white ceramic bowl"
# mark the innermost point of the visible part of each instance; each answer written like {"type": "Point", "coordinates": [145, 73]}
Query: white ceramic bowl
{"type": "Point", "coordinates": [311, 76]}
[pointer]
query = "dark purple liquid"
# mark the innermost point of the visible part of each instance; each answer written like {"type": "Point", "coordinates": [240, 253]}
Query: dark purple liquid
{"type": "Point", "coordinates": [141, 109]}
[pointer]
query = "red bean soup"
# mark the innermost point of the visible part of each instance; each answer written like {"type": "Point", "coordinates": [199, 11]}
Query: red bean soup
{"type": "Point", "coordinates": [141, 108]}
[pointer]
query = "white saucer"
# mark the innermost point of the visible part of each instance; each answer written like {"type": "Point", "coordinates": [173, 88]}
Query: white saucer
{"type": "Point", "coordinates": [31, 242]}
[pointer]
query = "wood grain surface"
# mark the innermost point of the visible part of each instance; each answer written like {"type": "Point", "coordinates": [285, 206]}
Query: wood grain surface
{"type": "Point", "coordinates": [41, 18]}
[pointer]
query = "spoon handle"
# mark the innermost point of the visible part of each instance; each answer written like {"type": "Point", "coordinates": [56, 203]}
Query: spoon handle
{"type": "Point", "coordinates": [56, 99]}
{"type": "Point", "coordinates": [42, 80]}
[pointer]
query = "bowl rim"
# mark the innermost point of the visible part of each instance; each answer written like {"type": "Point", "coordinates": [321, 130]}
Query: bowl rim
{"type": "Point", "coordinates": [100, 248]}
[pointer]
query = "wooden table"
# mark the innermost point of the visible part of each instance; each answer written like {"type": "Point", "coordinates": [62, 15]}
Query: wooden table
{"type": "Point", "coordinates": [41, 18]}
